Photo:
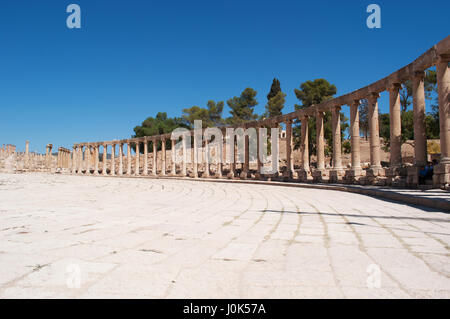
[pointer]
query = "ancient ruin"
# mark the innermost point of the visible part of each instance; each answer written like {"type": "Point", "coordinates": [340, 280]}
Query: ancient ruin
{"type": "Point", "coordinates": [85, 159]}
{"type": "Point", "coordinates": [159, 161]}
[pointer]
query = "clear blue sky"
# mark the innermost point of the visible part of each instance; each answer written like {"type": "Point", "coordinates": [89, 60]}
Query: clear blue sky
{"type": "Point", "coordinates": [134, 58]}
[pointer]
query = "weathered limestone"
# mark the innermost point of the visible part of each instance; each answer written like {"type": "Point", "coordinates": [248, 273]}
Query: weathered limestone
{"type": "Point", "coordinates": [105, 157]}
{"type": "Point", "coordinates": [288, 173]}
{"type": "Point", "coordinates": [113, 159]}
{"type": "Point", "coordinates": [337, 172]}
{"type": "Point", "coordinates": [145, 169]}
{"type": "Point", "coordinates": [207, 168]}
{"type": "Point", "coordinates": [438, 55]}
{"type": "Point", "coordinates": [173, 153]}
{"type": "Point", "coordinates": [320, 171]}
{"type": "Point", "coordinates": [155, 155]}
{"type": "Point", "coordinates": [163, 157]}
{"type": "Point", "coordinates": [395, 170]}
{"type": "Point", "coordinates": [442, 171]}
{"type": "Point", "coordinates": [138, 154]}
{"type": "Point", "coordinates": [374, 138]}
{"type": "Point", "coordinates": [120, 158]}
{"type": "Point", "coordinates": [304, 172]}
{"type": "Point", "coordinates": [246, 165]}
{"type": "Point", "coordinates": [128, 158]}
{"type": "Point", "coordinates": [352, 175]}
{"type": "Point", "coordinates": [96, 158]}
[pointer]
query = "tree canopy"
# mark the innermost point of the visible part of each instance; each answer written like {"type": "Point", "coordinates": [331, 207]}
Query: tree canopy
{"type": "Point", "coordinates": [242, 107]}
{"type": "Point", "coordinates": [275, 100]}
{"type": "Point", "coordinates": [314, 92]}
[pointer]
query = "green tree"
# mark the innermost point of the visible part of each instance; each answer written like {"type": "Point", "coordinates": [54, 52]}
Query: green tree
{"type": "Point", "coordinates": [364, 118]}
{"type": "Point", "coordinates": [430, 85]}
{"type": "Point", "coordinates": [196, 113]}
{"type": "Point", "coordinates": [242, 107]}
{"type": "Point", "coordinates": [215, 112]}
{"type": "Point", "coordinates": [312, 93]}
{"type": "Point", "coordinates": [275, 100]}
{"type": "Point", "coordinates": [210, 116]}
{"type": "Point", "coordinates": [161, 124]}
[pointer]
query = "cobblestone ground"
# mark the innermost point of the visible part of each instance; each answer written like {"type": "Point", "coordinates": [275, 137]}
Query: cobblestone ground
{"type": "Point", "coordinates": [90, 237]}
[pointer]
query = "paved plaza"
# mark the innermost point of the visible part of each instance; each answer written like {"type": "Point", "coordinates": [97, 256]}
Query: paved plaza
{"type": "Point", "coordinates": [65, 236]}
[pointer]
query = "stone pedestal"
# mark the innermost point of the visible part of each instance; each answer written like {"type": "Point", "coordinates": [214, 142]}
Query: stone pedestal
{"type": "Point", "coordinates": [441, 176]}
{"type": "Point", "coordinates": [318, 175]}
{"type": "Point", "coordinates": [397, 176]}
{"type": "Point", "coordinates": [336, 175]}
{"type": "Point", "coordinates": [375, 176]}
{"type": "Point", "coordinates": [412, 176]}
{"type": "Point", "coordinates": [353, 175]}
{"type": "Point", "coordinates": [303, 175]}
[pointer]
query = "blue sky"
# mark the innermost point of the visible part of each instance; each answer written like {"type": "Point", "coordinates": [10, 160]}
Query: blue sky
{"type": "Point", "coordinates": [132, 59]}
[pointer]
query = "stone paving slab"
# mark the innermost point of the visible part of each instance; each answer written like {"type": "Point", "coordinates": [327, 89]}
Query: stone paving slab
{"type": "Point", "coordinates": [65, 236]}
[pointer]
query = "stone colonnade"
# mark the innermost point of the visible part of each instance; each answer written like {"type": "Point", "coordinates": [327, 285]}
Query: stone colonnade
{"type": "Point", "coordinates": [7, 150]}
{"type": "Point", "coordinates": [395, 174]}
{"type": "Point", "coordinates": [64, 158]}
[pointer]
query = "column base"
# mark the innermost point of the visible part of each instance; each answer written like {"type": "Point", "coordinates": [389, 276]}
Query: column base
{"type": "Point", "coordinates": [244, 175]}
{"type": "Point", "coordinates": [319, 174]}
{"type": "Point", "coordinates": [353, 175]}
{"type": "Point", "coordinates": [397, 176]}
{"type": "Point", "coordinates": [376, 171]}
{"type": "Point", "coordinates": [374, 176]}
{"type": "Point", "coordinates": [287, 175]}
{"type": "Point", "coordinates": [336, 175]}
{"type": "Point", "coordinates": [441, 176]}
{"type": "Point", "coordinates": [303, 175]}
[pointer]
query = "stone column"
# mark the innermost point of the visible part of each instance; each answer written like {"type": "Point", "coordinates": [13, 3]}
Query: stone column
{"type": "Point", "coordinates": [172, 152]}
{"type": "Point", "coordinates": [184, 166]}
{"type": "Point", "coordinates": [49, 155]}
{"type": "Point", "coordinates": [137, 164]}
{"type": "Point", "coordinates": [374, 141]}
{"type": "Point", "coordinates": [145, 171]}
{"type": "Point", "coordinates": [87, 159]}
{"type": "Point", "coordinates": [259, 147]}
{"type": "Point", "coordinates": [113, 159]}
{"type": "Point", "coordinates": [128, 158]}
{"type": "Point", "coordinates": [289, 162]}
{"type": "Point", "coordinates": [80, 159]}
{"type": "Point", "coordinates": [320, 143]}
{"type": "Point", "coordinates": [163, 157]}
{"type": "Point", "coordinates": [74, 161]}
{"type": "Point", "coordinates": [220, 157]}
{"type": "Point", "coordinates": [304, 144]}
{"type": "Point", "coordinates": [420, 136]}
{"type": "Point", "coordinates": [58, 160]}
{"type": "Point", "coordinates": [195, 162]}
{"type": "Point", "coordinates": [352, 175]}
{"type": "Point", "coordinates": [395, 125]}
{"type": "Point", "coordinates": [234, 155]}
{"type": "Point", "coordinates": [337, 172]}
{"type": "Point", "coordinates": [105, 154]}
{"type": "Point", "coordinates": [27, 154]}
{"type": "Point", "coordinates": [121, 158]}
{"type": "Point", "coordinates": [96, 152]}
{"type": "Point", "coordinates": [246, 167]}
{"type": "Point", "coordinates": [155, 155]}
{"type": "Point", "coordinates": [207, 171]}
{"type": "Point", "coordinates": [442, 171]}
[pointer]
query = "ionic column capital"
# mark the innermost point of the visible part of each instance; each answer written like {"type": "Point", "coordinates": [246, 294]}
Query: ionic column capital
{"type": "Point", "coordinates": [418, 75]}
{"type": "Point", "coordinates": [336, 108]}
{"type": "Point", "coordinates": [373, 97]}
{"type": "Point", "coordinates": [443, 58]}
{"type": "Point", "coordinates": [394, 87]}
